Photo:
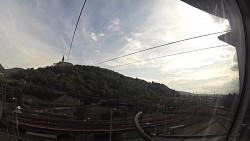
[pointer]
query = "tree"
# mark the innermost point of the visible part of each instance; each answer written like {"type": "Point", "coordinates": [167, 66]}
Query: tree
{"type": "Point", "coordinates": [81, 112]}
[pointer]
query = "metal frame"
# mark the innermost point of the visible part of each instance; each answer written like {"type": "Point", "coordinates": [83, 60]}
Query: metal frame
{"type": "Point", "coordinates": [139, 130]}
{"type": "Point", "coordinates": [243, 104]}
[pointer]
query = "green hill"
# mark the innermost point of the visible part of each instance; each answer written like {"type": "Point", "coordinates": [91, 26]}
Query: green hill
{"type": "Point", "coordinates": [51, 82]}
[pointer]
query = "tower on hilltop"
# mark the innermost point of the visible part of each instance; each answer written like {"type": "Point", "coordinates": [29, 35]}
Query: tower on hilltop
{"type": "Point", "coordinates": [63, 64]}
{"type": "Point", "coordinates": [63, 59]}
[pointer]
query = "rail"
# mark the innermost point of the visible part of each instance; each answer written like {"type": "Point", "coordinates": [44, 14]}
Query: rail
{"type": "Point", "coordinates": [192, 136]}
{"type": "Point", "coordinates": [139, 129]}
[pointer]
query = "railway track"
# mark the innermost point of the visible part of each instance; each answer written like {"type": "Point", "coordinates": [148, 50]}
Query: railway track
{"type": "Point", "coordinates": [59, 124]}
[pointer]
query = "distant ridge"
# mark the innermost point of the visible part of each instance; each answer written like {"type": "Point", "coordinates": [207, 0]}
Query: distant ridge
{"type": "Point", "coordinates": [199, 94]}
{"type": "Point", "coordinates": [9, 71]}
{"type": "Point", "coordinates": [2, 70]}
{"type": "Point", "coordinates": [13, 70]}
{"type": "Point", "coordinates": [185, 93]}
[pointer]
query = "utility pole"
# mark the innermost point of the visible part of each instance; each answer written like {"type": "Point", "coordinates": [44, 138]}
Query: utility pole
{"type": "Point", "coordinates": [85, 120]}
{"type": "Point", "coordinates": [110, 126]}
{"type": "Point", "coordinates": [139, 97]}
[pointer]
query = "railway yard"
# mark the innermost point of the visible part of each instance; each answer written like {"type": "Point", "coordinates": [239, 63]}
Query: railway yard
{"type": "Point", "coordinates": [190, 123]}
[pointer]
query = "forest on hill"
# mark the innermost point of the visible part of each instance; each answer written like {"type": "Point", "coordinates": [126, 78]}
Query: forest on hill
{"type": "Point", "coordinates": [52, 82]}
{"type": "Point", "coordinates": [112, 88]}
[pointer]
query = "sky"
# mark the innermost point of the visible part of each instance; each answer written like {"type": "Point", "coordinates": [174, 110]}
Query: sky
{"type": "Point", "coordinates": [38, 33]}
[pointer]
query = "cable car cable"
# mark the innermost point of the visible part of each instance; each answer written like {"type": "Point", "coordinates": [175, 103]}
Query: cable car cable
{"type": "Point", "coordinates": [75, 29]}
{"type": "Point", "coordinates": [185, 52]}
{"type": "Point", "coordinates": [178, 41]}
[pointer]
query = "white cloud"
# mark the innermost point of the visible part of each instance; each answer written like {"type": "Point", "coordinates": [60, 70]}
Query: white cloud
{"type": "Point", "coordinates": [185, 70]}
{"type": "Point", "coordinates": [131, 45]}
{"type": "Point", "coordinates": [96, 36]}
{"type": "Point", "coordinates": [136, 34]}
{"type": "Point", "coordinates": [114, 25]}
{"type": "Point", "coordinates": [40, 36]}
{"type": "Point", "coordinates": [28, 40]}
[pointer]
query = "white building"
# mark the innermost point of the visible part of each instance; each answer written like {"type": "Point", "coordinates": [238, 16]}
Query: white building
{"type": "Point", "coordinates": [63, 64]}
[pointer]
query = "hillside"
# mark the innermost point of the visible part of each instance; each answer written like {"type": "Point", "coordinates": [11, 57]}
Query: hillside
{"type": "Point", "coordinates": [51, 82]}
{"type": "Point", "coordinates": [9, 71]}
{"type": "Point", "coordinates": [2, 70]}
{"type": "Point", "coordinates": [13, 70]}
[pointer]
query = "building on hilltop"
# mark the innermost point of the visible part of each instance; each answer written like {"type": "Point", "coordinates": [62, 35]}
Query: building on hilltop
{"type": "Point", "coordinates": [63, 64]}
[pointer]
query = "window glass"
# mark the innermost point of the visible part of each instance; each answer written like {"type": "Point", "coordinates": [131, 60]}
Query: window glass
{"type": "Point", "coordinates": [82, 70]}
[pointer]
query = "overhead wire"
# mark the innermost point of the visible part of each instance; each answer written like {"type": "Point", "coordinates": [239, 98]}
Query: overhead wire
{"type": "Point", "coordinates": [185, 52]}
{"type": "Point", "coordinates": [162, 45]}
{"type": "Point", "coordinates": [75, 29]}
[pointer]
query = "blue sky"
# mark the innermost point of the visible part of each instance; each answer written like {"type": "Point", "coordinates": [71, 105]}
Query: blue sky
{"type": "Point", "coordinates": [38, 33]}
